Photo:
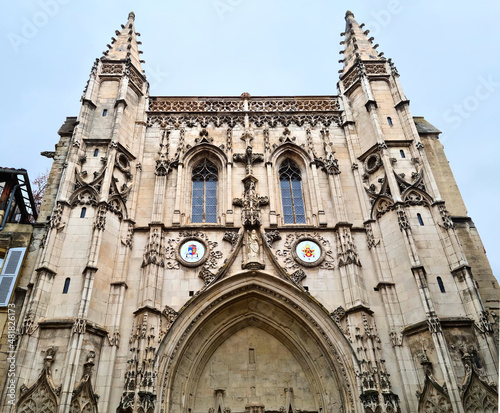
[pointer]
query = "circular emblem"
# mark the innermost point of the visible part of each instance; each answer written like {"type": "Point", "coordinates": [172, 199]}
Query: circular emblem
{"type": "Point", "coordinates": [307, 252]}
{"type": "Point", "coordinates": [192, 252]}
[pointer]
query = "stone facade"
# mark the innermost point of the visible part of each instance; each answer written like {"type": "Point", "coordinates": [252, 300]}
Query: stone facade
{"type": "Point", "coordinates": [251, 254]}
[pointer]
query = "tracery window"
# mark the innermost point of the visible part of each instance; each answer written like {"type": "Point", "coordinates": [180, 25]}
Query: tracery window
{"type": "Point", "coordinates": [204, 201]}
{"type": "Point", "coordinates": [291, 193]}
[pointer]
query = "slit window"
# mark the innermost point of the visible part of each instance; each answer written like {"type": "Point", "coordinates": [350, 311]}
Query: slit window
{"type": "Point", "coordinates": [291, 193]}
{"type": "Point", "coordinates": [204, 192]}
{"type": "Point", "coordinates": [420, 220]}
{"type": "Point", "coordinates": [96, 152]}
{"type": "Point", "coordinates": [441, 284]}
{"type": "Point", "coordinates": [389, 121]}
{"type": "Point", "coordinates": [402, 153]}
{"type": "Point", "coordinates": [83, 212]}
{"type": "Point", "coordinates": [66, 285]}
{"type": "Point", "coordinates": [104, 112]}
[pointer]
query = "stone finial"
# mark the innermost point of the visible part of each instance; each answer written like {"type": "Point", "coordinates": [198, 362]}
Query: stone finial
{"type": "Point", "coordinates": [131, 15]}
{"type": "Point", "coordinates": [349, 13]}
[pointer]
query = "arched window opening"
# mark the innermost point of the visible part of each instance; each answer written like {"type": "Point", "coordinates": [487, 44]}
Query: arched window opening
{"type": "Point", "coordinates": [420, 220]}
{"type": "Point", "coordinates": [402, 153]}
{"type": "Point", "coordinates": [291, 193]}
{"type": "Point", "coordinates": [104, 112]}
{"type": "Point", "coordinates": [83, 212]}
{"type": "Point", "coordinates": [66, 285]}
{"type": "Point", "coordinates": [389, 121]}
{"type": "Point", "coordinates": [96, 152]}
{"type": "Point", "coordinates": [441, 284]}
{"type": "Point", "coordinates": [204, 204]}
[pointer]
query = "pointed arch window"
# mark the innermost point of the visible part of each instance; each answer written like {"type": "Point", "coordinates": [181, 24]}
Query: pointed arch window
{"type": "Point", "coordinates": [204, 205]}
{"type": "Point", "coordinates": [291, 193]}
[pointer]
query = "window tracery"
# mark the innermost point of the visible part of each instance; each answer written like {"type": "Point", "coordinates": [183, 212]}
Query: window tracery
{"type": "Point", "coordinates": [291, 193]}
{"type": "Point", "coordinates": [204, 192]}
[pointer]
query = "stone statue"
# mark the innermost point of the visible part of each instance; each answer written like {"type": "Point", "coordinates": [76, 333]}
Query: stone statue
{"type": "Point", "coordinates": [253, 244]}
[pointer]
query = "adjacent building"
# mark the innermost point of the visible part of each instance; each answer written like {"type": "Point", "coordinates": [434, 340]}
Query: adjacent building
{"type": "Point", "coordinates": [254, 253]}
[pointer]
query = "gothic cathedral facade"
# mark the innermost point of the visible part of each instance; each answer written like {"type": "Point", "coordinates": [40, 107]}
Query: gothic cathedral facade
{"type": "Point", "coordinates": [253, 254]}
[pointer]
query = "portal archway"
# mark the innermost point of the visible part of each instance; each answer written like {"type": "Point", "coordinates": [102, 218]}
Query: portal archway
{"type": "Point", "coordinates": [296, 346]}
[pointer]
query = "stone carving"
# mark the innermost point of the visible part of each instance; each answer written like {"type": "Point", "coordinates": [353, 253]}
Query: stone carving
{"type": "Point", "coordinates": [252, 253]}
{"type": "Point", "coordinates": [351, 78]}
{"type": "Point", "coordinates": [164, 165]}
{"type": "Point", "coordinates": [394, 70]}
{"type": "Point", "coordinates": [206, 275]}
{"type": "Point", "coordinates": [135, 77]}
{"type": "Point", "coordinates": [370, 238]}
{"type": "Point", "coordinates": [396, 338]}
{"type": "Point", "coordinates": [286, 253]}
{"type": "Point", "coordinates": [56, 217]}
{"type": "Point", "coordinates": [346, 250]}
{"type": "Point", "coordinates": [111, 69]}
{"type": "Point", "coordinates": [171, 262]}
{"type": "Point", "coordinates": [298, 276]}
{"type": "Point", "coordinates": [251, 203]}
{"type": "Point", "coordinates": [433, 323]}
{"type": "Point", "coordinates": [171, 315]}
{"type": "Point", "coordinates": [330, 165]}
{"type": "Point", "coordinates": [376, 388]}
{"type": "Point", "coordinates": [159, 104]}
{"type": "Point", "coordinates": [253, 247]}
{"type": "Point", "coordinates": [165, 104]}
{"type": "Point", "coordinates": [213, 257]}
{"type": "Point", "coordinates": [447, 222]}
{"type": "Point", "coordinates": [483, 323]}
{"type": "Point", "coordinates": [248, 158]}
{"type": "Point", "coordinates": [79, 326]}
{"type": "Point", "coordinates": [413, 193]}
{"type": "Point", "coordinates": [141, 373]}
{"type": "Point", "coordinates": [248, 288]}
{"type": "Point", "coordinates": [338, 315]}
{"type": "Point", "coordinates": [375, 69]}
{"type": "Point", "coordinates": [272, 236]}
{"type": "Point", "coordinates": [404, 225]}
{"type": "Point", "coordinates": [232, 237]}
{"type": "Point", "coordinates": [83, 399]}
{"type": "Point", "coordinates": [476, 393]}
{"type": "Point", "coordinates": [29, 326]}
{"type": "Point", "coordinates": [100, 217]}
{"type": "Point", "coordinates": [154, 253]}
{"type": "Point", "coordinates": [43, 395]}
{"type": "Point", "coordinates": [231, 120]}
{"type": "Point", "coordinates": [130, 235]}
{"type": "Point", "coordinates": [114, 338]}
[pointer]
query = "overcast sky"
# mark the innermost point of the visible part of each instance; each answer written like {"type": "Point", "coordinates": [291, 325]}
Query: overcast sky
{"type": "Point", "coordinates": [447, 54]}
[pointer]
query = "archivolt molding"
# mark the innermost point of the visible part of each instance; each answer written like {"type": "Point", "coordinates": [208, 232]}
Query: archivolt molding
{"type": "Point", "coordinates": [309, 315]}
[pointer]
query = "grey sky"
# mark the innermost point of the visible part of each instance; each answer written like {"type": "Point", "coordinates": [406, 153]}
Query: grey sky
{"type": "Point", "coordinates": [447, 54]}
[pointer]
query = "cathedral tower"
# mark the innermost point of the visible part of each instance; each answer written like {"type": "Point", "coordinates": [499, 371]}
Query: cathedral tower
{"type": "Point", "coordinates": [253, 253]}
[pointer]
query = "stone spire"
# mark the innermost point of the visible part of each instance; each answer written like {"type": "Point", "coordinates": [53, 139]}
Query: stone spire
{"type": "Point", "coordinates": [357, 44]}
{"type": "Point", "coordinates": [125, 45]}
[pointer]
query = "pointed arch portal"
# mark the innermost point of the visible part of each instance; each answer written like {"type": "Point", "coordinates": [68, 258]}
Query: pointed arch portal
{"type": "Point", "coordinates": [251, 340]}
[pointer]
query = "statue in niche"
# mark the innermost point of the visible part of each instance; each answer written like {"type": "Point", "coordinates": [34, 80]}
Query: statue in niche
{"type": "Point", "coordinates": [253, 245]}
{"type": "Point", "coordinates": [252, 254]}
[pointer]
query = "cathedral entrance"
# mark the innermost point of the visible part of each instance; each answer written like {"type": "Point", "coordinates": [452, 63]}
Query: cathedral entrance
{"type": "Point", "coordinates": [252, 366]}
{"type": "Point", "coordinates": [246, 345]}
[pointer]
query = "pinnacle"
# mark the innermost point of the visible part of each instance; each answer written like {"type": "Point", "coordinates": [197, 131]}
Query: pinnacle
{"type": "Point", "coordinates": [357, 44]}
{"type": "Point", "coordinates": [125, 45]}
